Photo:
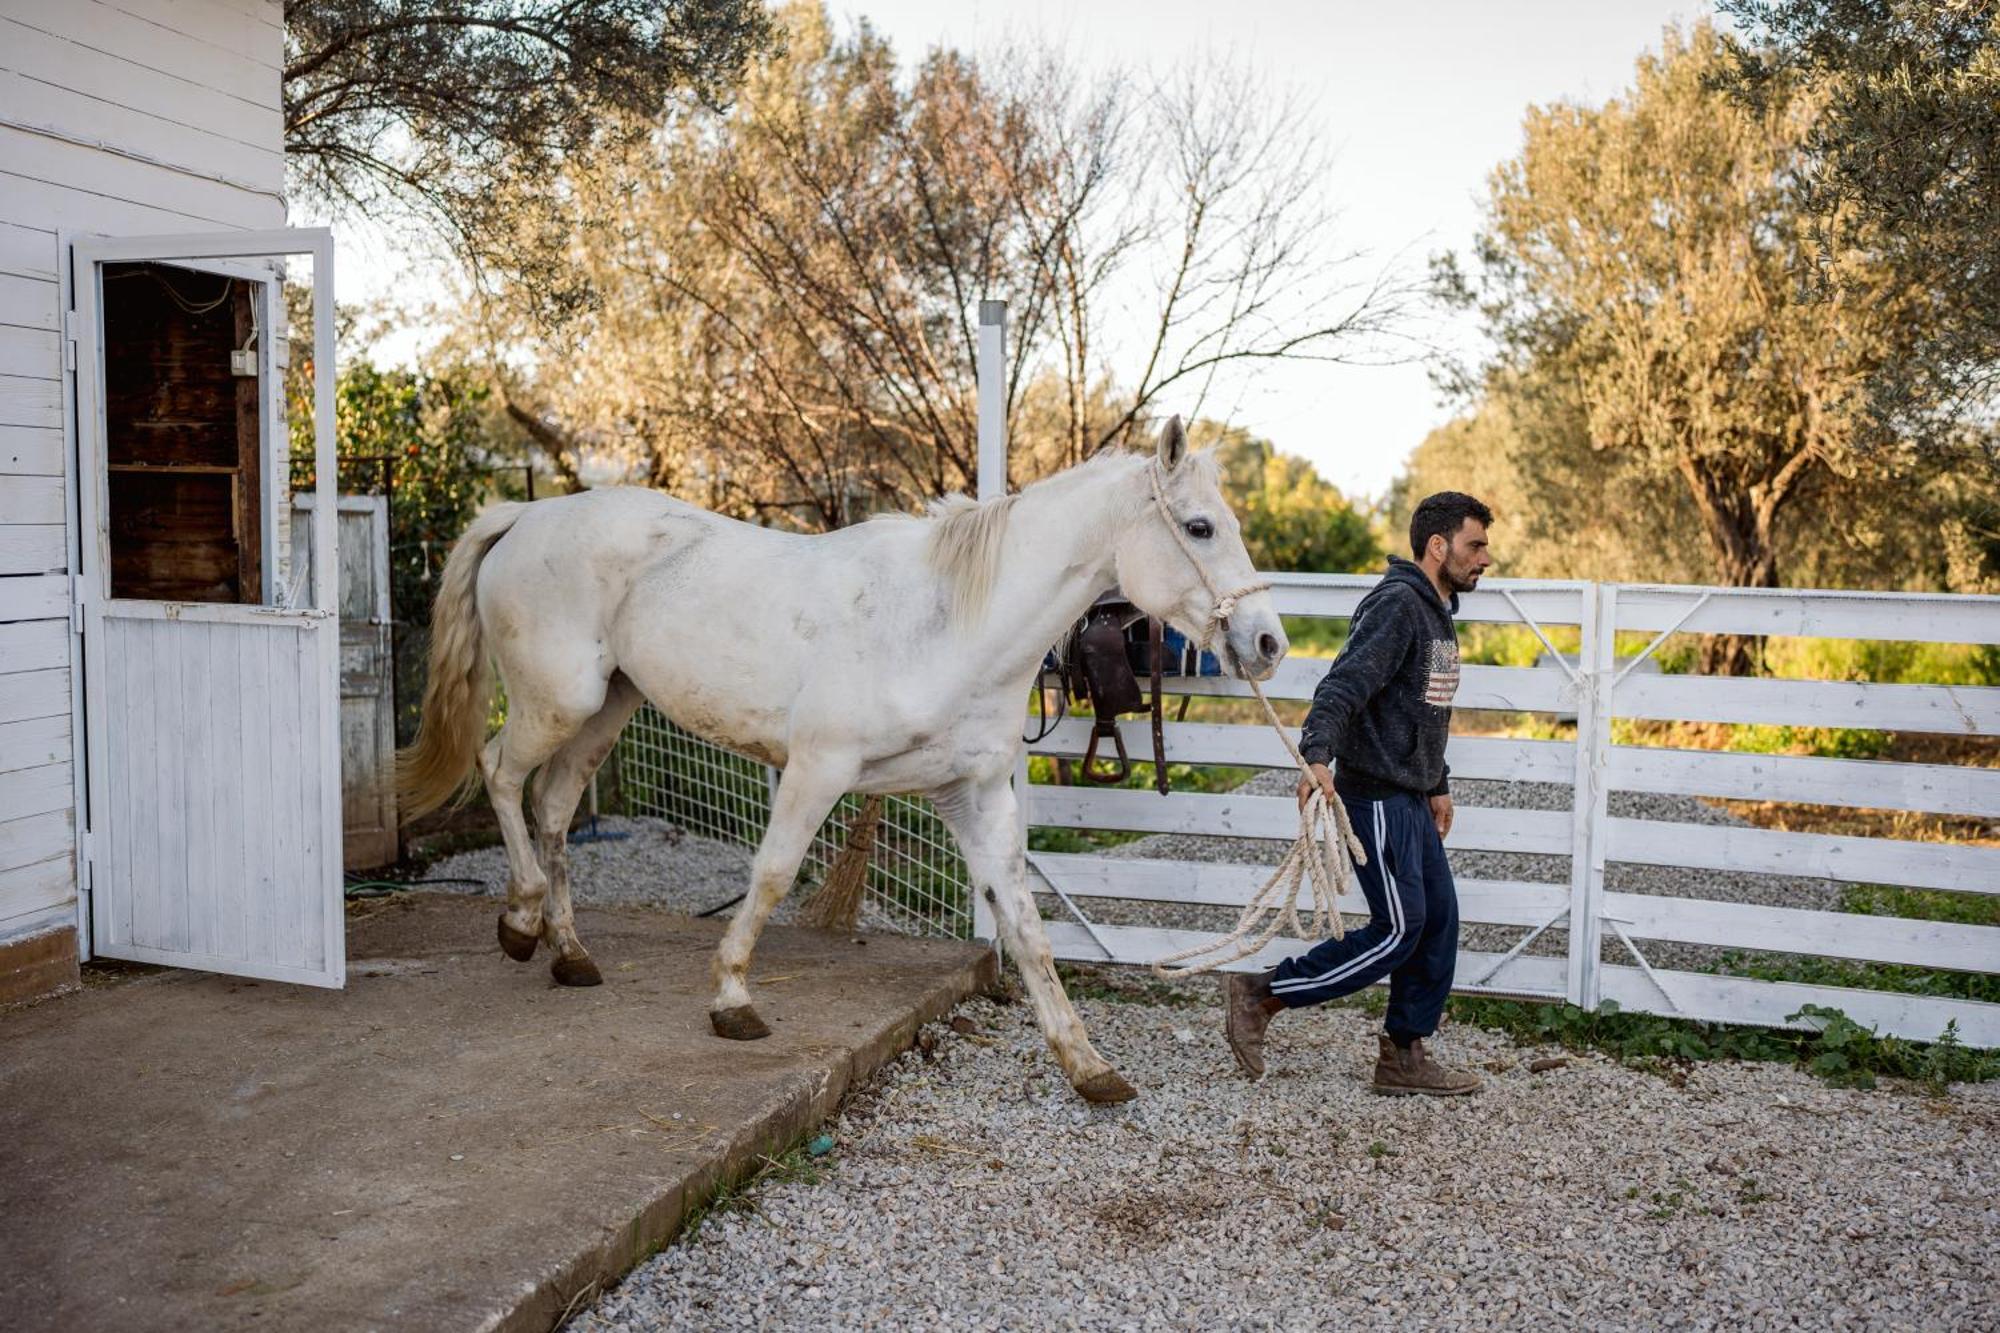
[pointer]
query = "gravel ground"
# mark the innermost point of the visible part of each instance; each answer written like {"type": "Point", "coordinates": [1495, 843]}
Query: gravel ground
{"type": "Point", "coordinates": [969, 1188]}
{"type": "Point", "coordinates": [656, 865]}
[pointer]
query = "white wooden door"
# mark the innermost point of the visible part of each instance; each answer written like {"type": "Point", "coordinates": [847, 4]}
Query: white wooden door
{"type": "Point", "coordinates": [367, 676]}
{"type": "Point", "coordinates": [212, 838]}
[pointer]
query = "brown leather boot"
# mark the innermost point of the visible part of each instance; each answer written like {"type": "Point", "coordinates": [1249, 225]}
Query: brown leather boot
{"type": "Point", "coordinates": [1244, 1020]}
{"type": "Point", "coordinates": [1401, 1072]}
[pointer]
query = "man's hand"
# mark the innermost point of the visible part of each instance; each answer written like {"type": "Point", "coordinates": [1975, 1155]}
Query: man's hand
{"type": "Point", "coordinates": [1320, 774]}
{"type": "Point", "coordinates": [1441, 814]}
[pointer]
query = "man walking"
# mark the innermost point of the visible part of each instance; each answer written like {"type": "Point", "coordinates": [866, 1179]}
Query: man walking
{"type": "Point", "coordinates": [1383, 711]}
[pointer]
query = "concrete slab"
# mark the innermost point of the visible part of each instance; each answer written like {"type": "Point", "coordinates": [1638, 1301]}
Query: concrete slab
{"type": "Point", "coordinates": [451, 1143]}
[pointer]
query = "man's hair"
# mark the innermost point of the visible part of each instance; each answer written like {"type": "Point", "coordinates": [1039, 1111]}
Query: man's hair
{"type": "Point", "coordinates": [1443, 515]}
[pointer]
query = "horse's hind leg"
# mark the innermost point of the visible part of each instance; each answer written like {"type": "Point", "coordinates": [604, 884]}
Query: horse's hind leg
{"type": "Point", "coordinates": [558, 787]}
{"type": "Point", "coordinates": [982, 817]}
{"type": "Point", "coordinates": [536, 728]}
{"type": "Point", "coordinates": [805, 796]}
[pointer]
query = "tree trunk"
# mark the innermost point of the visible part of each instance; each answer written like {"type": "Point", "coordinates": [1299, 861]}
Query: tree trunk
{"type": "Point", "coordinates": [1739, 530]}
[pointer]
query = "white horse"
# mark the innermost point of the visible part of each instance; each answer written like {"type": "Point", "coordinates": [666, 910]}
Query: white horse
{"type": "Point", "coordinates": [892, 656]}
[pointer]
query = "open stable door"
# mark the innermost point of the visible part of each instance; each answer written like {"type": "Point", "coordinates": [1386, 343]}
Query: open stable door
{"type": "Point", "coordinates": [212, 832]}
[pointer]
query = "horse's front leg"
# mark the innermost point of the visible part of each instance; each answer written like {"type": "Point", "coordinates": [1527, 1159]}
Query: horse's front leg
{"type": "Point", "coordinates": [806, 795]}
{"type": "Point", "coordinates": [984, 818]}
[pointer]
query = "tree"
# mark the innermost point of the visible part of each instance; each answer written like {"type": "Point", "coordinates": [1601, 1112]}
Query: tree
{"type": "Point", "coordinates": [419, 438]}
{"type": "Point", "coordinates": [1903, 162]}
{"type": "Point", "coordinates": [1294, 520]}
{"type": "Point", "coordinates": [789, 290]}
{"type": "Point", "coordinates": [444, 104]}
{"type": "Point", "coordinates": [1637, 264]}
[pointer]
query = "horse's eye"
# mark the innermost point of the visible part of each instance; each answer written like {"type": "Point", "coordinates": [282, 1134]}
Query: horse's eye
{"type": "Point", "coordinates": [1200, 529]}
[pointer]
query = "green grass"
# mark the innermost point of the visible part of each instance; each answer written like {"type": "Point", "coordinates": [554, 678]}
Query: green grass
{"type": "Point", "coordinates": [736, 1196]}
{"type": "Point", "coordinates": [1978, 909]}
{"type": "Point", "coordinates": [1836, 1049]}
{"type": "Point", "coordinates": [1809, 970]}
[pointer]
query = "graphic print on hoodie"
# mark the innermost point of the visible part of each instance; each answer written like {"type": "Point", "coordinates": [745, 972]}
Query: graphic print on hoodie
{"type": "Point", "coordinates": [1382, 713]}
{"type": "Point", "coordinates": [1441, 686]}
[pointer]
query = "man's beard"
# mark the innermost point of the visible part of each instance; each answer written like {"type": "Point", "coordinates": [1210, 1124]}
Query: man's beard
{"type": "Point", "coordinates": [1459, 582]}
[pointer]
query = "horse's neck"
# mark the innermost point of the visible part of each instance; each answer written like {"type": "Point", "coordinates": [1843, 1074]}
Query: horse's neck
{"type": "Point", "coordinates": [1060, 556]}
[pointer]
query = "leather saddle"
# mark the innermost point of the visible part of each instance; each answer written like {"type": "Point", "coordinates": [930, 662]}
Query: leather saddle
{"type": "Point", "coordinates": [1101, 661]}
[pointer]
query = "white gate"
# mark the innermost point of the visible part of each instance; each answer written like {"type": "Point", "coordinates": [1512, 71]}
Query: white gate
{"type": "Point", "coordinates": [1596, 689]}
{"type": "Point", "coordinates": [369, 833]}
{"type": "Point", "coordinates": [213, 824]}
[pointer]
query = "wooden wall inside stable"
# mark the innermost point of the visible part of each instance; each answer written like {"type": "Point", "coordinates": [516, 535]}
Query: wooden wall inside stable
{"type": "Point", "coordinates": [181, 436]}
{"type": "Point", "coordinates": [140, 117]}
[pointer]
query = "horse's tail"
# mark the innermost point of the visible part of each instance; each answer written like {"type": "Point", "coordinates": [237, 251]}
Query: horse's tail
{"type": "Point", "coordinates": [453, 723]}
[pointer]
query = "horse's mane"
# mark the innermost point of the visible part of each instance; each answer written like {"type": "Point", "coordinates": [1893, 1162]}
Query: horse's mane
{"type": "Point", "coordinates": [964, 549]}
{"type": "Point", "coordinates": [967, 535]}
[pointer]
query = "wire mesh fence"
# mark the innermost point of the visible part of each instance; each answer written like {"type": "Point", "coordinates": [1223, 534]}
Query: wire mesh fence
{"type": "Point", "coordinates": [916, 878]}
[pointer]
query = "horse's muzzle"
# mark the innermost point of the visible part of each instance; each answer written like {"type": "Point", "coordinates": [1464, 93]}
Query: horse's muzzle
{"type": "Point", "coordinates": [1256, 645]}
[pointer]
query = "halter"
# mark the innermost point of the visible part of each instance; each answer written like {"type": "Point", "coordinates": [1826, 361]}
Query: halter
{"type": "Point", "coordinates": [1326, 850]}
{"type": "Point", "coordinates": [1225, 603]}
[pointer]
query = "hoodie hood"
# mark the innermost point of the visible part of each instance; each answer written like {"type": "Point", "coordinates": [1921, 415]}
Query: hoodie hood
{"type": "Point", "coordinates": [1407, 571]}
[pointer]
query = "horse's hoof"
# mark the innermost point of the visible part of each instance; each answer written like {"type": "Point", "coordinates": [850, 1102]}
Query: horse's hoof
{"type": "Point", "coordinates": [738, 1024]}
{"type": "Point", "coordinates": [576, 971]}
{"type": "Point", "coordinates": [518, 945]}
{"type": "Point", "coordinates": [1106, 1089]}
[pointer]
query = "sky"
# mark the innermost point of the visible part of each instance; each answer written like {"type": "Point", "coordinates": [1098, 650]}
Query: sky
{"type": "Point", "coordinates": [1418, 102]}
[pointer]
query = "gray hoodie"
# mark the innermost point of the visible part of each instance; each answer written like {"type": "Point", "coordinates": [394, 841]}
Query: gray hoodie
{"type": "Point", "coordinates": [1383, 710]}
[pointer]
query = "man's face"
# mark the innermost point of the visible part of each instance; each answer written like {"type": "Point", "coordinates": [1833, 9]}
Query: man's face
{"type": "Point", "coordinates": [1466, 557]}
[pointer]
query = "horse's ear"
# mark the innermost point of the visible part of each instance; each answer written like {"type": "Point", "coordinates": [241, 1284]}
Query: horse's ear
{"type": "Point", "coordinates": [1173, 443]}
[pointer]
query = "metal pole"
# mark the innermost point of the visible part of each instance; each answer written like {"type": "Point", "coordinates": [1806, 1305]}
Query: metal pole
{"type": "Point", "coordinates": [991, 371]}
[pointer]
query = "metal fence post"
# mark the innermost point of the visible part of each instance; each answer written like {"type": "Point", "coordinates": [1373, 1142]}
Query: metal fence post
{"type": "Point", "coordinates": [1593, 751]}
{"type": "Point", "coordinates": [991, 372]}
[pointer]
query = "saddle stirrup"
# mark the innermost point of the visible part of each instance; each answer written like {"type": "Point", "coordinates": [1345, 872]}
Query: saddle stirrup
{"type": "Point", "coordinates": [1105, 777]}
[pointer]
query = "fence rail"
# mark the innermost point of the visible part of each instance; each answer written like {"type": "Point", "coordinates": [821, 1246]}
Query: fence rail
{"type": "Point", "coordinates": [1596, 689]}
{"type": "Point", "coordinates": [917, 881]}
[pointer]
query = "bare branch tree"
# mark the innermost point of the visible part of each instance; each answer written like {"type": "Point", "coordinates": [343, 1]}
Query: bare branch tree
{"type": "Point", "coordinates": [786, 291]}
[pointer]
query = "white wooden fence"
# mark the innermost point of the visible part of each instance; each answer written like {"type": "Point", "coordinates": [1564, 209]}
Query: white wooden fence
{"type": "Point", "coordinates": [1601, 689]}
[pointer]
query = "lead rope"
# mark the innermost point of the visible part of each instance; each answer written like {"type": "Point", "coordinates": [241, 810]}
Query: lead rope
{"type": "Point", "coordinates": [1325, 852]}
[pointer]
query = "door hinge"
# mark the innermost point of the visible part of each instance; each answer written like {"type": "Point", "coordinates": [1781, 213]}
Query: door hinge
{"type": "Point", "coordinates": [69, 340]}
{"type": "Point", "coordinates": [77, 604]}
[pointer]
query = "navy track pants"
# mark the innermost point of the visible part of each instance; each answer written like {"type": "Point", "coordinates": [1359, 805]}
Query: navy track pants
{"type": "Point", "coordinates": [1412, 931]}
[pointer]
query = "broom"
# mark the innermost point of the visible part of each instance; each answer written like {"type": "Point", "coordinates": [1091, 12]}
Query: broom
{"type": "Point", "coordinates": [836, 904]}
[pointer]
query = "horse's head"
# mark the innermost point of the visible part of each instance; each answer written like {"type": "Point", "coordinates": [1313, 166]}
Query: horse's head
{"type": "Point", "coordinates": [1183, 555]}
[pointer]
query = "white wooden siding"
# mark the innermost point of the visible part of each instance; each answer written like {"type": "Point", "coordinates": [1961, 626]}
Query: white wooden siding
{"type": "Point", "coordinates": [117, 117]}
{"type": "Point", "coordinates": [30, 451]}
{"type": "Point", "coordinates": [28, 252]}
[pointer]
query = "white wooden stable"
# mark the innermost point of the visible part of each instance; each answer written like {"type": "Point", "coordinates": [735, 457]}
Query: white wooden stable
{"type": "Point", "coordinates": [169, 767]}
{"type": "Point", "coordinates": [1597, 692]}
